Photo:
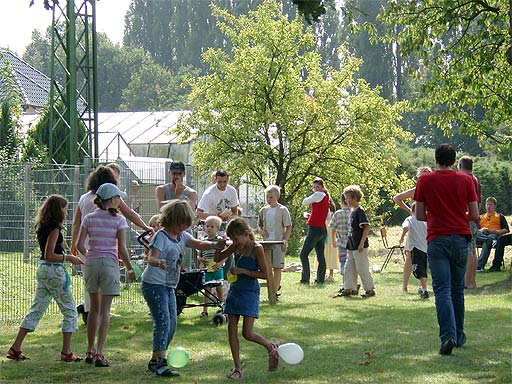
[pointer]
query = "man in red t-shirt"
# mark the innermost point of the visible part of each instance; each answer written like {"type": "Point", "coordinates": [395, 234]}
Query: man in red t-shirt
{"type": "Point", "coordinates": [443, 199]}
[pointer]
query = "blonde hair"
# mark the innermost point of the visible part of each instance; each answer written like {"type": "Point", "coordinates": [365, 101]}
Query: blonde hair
{"type": "Point", "coordinates": [238, 226]}
{"type": "Point", "coordinates": [274, 189]}
{"type": "Point", "coordinates": [422, 170]}
{"type": "Point", "coordinates": [214, 221]}
{"type": "Point", "coordinates": [353, 191]}
{"type": "Point", "coordinates": [176, 212]}
{"type": "Point", "coordinates": [154, 219]}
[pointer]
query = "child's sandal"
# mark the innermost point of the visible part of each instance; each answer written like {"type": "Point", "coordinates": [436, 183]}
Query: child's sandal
{"type": "Point", "coordinates": [236, 374]}
{"type": "Point", "coordinates": [70, 357]}
{"type": "Point", "coordinates": [89, 357]}
{"type": "Point", "coordinates": [16, 355]}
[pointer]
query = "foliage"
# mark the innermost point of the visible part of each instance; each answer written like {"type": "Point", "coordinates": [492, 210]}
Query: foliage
{"type": "Point", "coordinates": [164, 93]}
{"type": "Point", "coordinates": [38, 140]}
{"type": "Point", "coordinates": [462, 48]}
{"type": "Point", "coordinates": [267, 112]}
{"type": "Point", "coordinates": [10, 111]}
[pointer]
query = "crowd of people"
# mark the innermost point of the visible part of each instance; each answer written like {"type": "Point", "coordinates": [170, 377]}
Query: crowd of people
{"type": "Point", "coordinates": [441, 236]}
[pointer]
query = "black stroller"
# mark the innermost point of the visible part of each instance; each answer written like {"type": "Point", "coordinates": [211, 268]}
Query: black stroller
{"type": "Point", "coordinates": [191, 283]}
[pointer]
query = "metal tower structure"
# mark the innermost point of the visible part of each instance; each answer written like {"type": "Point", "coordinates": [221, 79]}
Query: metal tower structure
{"type": "Point", "coordinates": [73, 117]}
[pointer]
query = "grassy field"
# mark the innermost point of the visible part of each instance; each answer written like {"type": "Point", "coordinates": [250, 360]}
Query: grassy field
{"type": "Point", "coordinates": [391, 338]}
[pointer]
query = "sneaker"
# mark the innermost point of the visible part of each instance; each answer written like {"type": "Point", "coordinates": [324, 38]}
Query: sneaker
{"type": "Point", "coordinates": [152, 365]}
{"type": "Point", "coordinates": [479, 269]}
{"type": "Point", "coordinates": [89, 357]}
{"type": "Point", "coordinates": [446, 347]}
{"type": "Point", "coordinates": [424, 295]}
{"type": "Point", "coordinates": [369, 293]}
{"type": "Point", "coordinates": [101, 361]}
{"type": "Point", "coordinates": [420, 290]}
{"type": "Point", "coordinates": [273, 358]}
{"type": "Point", "coordinates": [203, 314]}
{"type": "Point", "coordinates": [495, 269]}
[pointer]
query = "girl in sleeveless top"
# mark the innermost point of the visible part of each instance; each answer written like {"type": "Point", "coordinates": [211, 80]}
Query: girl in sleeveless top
{"type": "Point", "coordinates": [244, 292]}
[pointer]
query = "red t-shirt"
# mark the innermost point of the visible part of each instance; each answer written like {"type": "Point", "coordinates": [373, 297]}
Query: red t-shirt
{"type": "Point", "coordinates": [446, 195]}
{"type": "Point", "coordinates": [319, 213]}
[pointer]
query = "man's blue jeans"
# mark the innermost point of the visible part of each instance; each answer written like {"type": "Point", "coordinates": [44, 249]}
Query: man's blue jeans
{"type": "Point", "coordinates": [162, 305]}
{"type": "Point", "coordinates": [487, 242]}
{"type": "Point", "coordinates": [314, 239]}
{"type": "Point", "coordinates": [447, 258]}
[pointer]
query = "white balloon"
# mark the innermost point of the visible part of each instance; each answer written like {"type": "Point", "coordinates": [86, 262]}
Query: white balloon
{"type": "Point", "coordinates": [291, 353]}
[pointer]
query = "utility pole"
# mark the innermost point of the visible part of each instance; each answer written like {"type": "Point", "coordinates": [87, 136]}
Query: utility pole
{"type": "Point", "coordinates": [73, 103]}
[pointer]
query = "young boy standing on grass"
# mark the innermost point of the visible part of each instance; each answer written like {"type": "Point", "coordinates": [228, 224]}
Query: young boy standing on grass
{"type": "Point", "coordinates": [339, 234]}
{"type": "Point", "coordinates": [275, 223]}
{"type": "Point", "coordinates": [417, 244]}
{"type": "Point", "coordinates": [357, 246]}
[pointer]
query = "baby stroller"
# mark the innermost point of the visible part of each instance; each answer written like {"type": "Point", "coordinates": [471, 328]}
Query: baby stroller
{"type": "Point", "coordinates": [191, 283]}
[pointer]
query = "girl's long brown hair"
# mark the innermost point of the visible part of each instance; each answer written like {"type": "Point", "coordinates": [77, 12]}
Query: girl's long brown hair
{"type": "Point", "coordinates": [50, 212]}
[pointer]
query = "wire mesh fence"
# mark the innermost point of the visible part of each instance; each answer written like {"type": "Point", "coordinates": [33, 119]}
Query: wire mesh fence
{"type": "Point", "coordinates": [23, 187]}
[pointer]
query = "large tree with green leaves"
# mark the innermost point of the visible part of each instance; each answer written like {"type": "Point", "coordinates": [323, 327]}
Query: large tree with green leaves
{"type": "Point", "coordinates": [10, 111]}
{"type": "Point", "coordinates": [466, 56]}
{"type": "Point", "coordinates": [269, 111]}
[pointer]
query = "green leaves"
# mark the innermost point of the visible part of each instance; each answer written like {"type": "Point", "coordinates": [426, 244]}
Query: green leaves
{"type": "Point", "coordinates": [269, 111]}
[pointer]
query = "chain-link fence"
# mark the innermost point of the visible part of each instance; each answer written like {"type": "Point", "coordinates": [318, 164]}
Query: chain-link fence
{"type": "Point", "coordinates": [22, 189]}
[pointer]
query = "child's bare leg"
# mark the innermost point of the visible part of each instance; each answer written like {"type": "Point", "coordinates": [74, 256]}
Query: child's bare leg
{"type": "Point", "coordinates": [470, 276]}
{"type": "Point", "coordinates": [407, 270]}
{"type": "Point", "coordinates": [92, 320]}
{"type": "Point", "coordinates": [249, 334]}
{"type": "Point", "coordinates": [206, 300]}
{"type": "Point", "coordinates": [277, 278]}
{"type": "Point", "coordinates": [423, 283]}
{"type": "Point", "coordinates": [66, 342]}
{"type": "Point", "coordinates": [220, 293]}
{"type": "Point", "coordinates": [104, 321]}
{"type": "Point", "coordinates": [16, 346]}
{"type": "Point", "coordinates": [234, 343]}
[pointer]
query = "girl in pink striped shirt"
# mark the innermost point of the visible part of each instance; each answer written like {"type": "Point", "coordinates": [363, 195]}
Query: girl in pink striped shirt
{"type": "Point", "coordinates": [106, 231]}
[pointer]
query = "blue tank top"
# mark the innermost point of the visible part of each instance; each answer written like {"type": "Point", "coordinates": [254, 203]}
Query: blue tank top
{"type": "Point", "coordinates": [245, 282]}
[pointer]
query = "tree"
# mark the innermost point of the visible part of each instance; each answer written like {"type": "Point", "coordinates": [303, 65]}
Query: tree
{"type": "Point", "coordinates": [268, 111]}
{"type": "Point", "coordinates": [154, 88]}
{"type": "Point", "coordinates": [463, 48]}
{"type": "Point", "coordinates": [10, 111]}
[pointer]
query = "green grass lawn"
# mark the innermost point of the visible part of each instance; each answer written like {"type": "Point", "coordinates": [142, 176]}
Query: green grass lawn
{"type": "Point", "coordinates": [398, 330]}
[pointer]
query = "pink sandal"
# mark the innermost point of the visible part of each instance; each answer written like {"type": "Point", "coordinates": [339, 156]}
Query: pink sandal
{"type": "Point", "coordinates": [236, 374]}
{"type": "Point", "coordinates": [16, 355]}
{"type": "Point", "coordinates": [70, 357]}
{"type": "Point", "coordinates": [273, 358]}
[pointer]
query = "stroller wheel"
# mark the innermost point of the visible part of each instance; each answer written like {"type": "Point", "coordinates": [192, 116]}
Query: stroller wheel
{"type": "Point", "coordinates": [218, 319]}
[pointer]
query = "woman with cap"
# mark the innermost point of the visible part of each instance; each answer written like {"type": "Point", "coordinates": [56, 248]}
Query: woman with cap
{"type": "Point", "coordinates": [176, 189]}
{"type": "Point", "coordinates": [106, 231]}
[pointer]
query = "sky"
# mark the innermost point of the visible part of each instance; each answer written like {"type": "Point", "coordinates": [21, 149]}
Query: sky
{"type": "Point", "coordinates": [18, 20]}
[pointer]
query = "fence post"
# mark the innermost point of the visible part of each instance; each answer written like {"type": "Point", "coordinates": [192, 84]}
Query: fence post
{"type": "Point", "coordinates": [26, 215]}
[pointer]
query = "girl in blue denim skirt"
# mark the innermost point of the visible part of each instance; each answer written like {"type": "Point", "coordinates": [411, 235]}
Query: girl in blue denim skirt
{"type": "Point", "coordinates": [162, 274]}
{"type": "Point", "coordinates": [244, 293]}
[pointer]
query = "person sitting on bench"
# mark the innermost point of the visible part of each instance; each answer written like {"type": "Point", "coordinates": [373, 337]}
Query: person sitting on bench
{"type": "Point", "coordinates": [492, 226]}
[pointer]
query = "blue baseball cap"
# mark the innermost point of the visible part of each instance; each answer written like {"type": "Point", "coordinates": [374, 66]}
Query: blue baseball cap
{"type": "Point", "coordinates": [108, 190]}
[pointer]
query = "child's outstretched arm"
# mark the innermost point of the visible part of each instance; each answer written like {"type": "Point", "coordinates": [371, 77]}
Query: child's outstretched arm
{"type": "Point", "coordinates": [224, 253]}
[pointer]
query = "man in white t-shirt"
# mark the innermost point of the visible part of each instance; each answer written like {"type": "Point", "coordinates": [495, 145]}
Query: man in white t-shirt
{"type": "Point", "coordinates": [220, 199]}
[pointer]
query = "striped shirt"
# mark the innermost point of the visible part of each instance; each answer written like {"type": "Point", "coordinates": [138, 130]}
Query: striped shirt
{"type": "Point", "coordinates": [102, 229]}
{"type": "Point", "coordinates": [339, 222]}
